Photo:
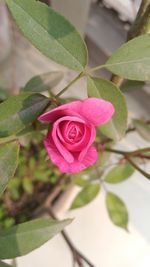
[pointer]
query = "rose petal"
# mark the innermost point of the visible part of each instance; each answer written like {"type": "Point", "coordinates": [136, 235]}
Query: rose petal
{"type": "Point", "coordinates": [54, 154]}
{"type": "Point", "coordinates": [74, 146]}
{"type": "Point", "coordinates": [88, 138]}
{"type": "Point", "coordinates": [96, 111]}
{"type": "Point", "coordinates": [63, 151]}
{"type": "Point", "coordinates": [91, 140]}
{"type": "Point", "coordinates": [60, 111]}
{"type": "Point", "coordinates": [65, 167]}
{"type": "Point", "coordinates": [90, 158]}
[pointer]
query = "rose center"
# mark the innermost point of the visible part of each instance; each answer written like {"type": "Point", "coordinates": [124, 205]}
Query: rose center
{"type": "Point", "coordinates": [72, 132]}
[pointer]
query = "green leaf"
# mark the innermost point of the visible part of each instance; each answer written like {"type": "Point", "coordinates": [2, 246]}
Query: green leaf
{"type": "Point", "coordinates": [142, 128]}
{"type": "Point", "coordinates": [80, 181]}
{"type": "Point", "coordinates": [119, 173]}
{"type": "Point", "coordinates": [50, 32]}
{"type": "Point", "coordinates": [116, 127]}
{"type": "Point", "coordinates": [87, 194]}
{"type": "Point", "coordinates": [132, 60]}
{"type": "Point", "coordinates": [19, 111]}
{"type": "Point", "coordinates": [3, 264]}
{"type": "Point", "coordinates": [117, 210]}
{"type": "Point", "coordinates": [43, 82]}
{"type": "Point", "coordinates": [23, 238]}
{"type": "Point", "coordinates": [8, 163]}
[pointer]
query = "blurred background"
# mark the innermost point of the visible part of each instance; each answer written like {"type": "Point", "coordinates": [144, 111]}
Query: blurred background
{"type": "Point", "coordinates": [104, 24]}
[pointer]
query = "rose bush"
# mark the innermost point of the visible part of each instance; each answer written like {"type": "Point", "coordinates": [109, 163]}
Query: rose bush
{"type": "Point", "coordinates": [69, 141]}
{"type": "Point", "coordinates": [29, 186]}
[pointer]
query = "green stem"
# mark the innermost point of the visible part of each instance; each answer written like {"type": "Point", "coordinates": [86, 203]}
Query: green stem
{"type": "Point", "coordinates": [141, 24]}
{"type": "Point", "coordinates": [115, 151]}
{"type": "Point", "coordinates": [97, 68]}
{"type": "Point", "coordinates": [139, 151]}
{"type": "Point", "coordinates": [128, 155]}
{"type": "Point", "coordinates": [81, 74]}
{"type": "Point", "coordinates": [147, 175]}
{"type": "Point", "coordinates": [143, 8]}
{"type": "Point", "coordinates": [7, 139]}
{"type": "Point", "coordinates": [78, 257]}
{"type": "Point", "coordinates": [132, 129]}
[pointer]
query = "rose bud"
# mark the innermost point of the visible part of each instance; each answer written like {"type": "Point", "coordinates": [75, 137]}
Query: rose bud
{"type": "Point", "coordinates": [69, 141]}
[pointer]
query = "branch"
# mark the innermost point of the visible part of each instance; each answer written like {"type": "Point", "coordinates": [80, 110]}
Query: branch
{"type": "Point", "coordinates": [71, 83]}
{"type": "Point", "coordinates": [140, 26]}
{"type": "Point", "coordinates": [147, 175]}
{"type": "Point", "coordinates": [130, 154]}
{"type": "Point", "coordinates": [51, 197]}
{"type": "Point", "coordinates": [129, 130]}
{"type": "Point", "coordinates": [78, 257]}
{"type": "Point", "coordinates": [14, 262]}
{"type": "Point", "coordinates": [134, 153]}
{"type": "Point", "coordinates": [132, 129]}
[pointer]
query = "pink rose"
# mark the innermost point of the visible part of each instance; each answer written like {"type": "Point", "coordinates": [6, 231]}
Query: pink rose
{"type": "Point", "coordinates": [69, 142]}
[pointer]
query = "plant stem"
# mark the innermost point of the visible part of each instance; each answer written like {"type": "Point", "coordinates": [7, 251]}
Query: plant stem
{"type": "Point", "coordinates": [14, 262]}
{"type": "Point", "coordinates": [9, 139]}
{"type": "Point", "coordinates": [129, 130]}
{"type": "Point", "coordinates": [81, 74]}
{"type": "Point", "coordinates": [131, 153]}
{"type": "Point", "coordinates": [77, 255]}
{"type": "Point", "coordinates": [97, 68]}
{"type": "Point", "coordinates": [128, 155]}
{"type": "Point", "coordinates": [51, 197]}
{"type": "Point", "coordinates": [139, 151]}
{"type": "Point", "coordinates": [147, 175]}
{"type": "Point", "coordinates": [132, 129]}
{"type": "Point", "coordinates": [140, 26]}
